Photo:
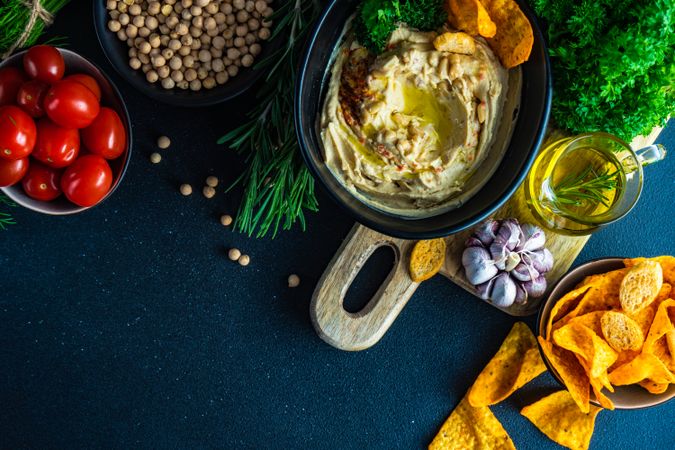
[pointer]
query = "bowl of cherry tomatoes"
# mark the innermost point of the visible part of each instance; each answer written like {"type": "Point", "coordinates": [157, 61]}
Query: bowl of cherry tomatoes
{"type": "Point", "coordinates": [65, 133]}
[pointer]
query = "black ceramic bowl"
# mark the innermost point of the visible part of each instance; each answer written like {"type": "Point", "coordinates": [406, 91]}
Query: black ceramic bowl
{"type": "Point", "coordinates": [117, 53]}
{"type": "Point", "coordinates": [528, 133]}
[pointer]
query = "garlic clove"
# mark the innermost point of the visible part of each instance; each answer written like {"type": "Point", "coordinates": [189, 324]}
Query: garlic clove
{"type": "Point", "coordinates": [503, 290]}
{"type": "Point", "coordinates": [473, 242]}
{"type": "Point", "coordinates": [487, 231]}
{"type": "Point", "coordinates": [542, 260]}
{"type": "Point", "coordinates": [509, 232]}
{"type": "Point", "coordinates": [532, 238]}
{"type": "Point", "coordinates": [521, 295]}
{"type": "Point", "coordinates": [524, 272]}
{"type": "Point", "coordinates": [499, 252]}
{"type": "Point", "coordinates": [478, 265]}
{"type": "Point", "coordinates": [512, 260]}
{"type": "Point", "coordinates": [483, 290]}
{"type": "Point", "coordinates": [535, 288]}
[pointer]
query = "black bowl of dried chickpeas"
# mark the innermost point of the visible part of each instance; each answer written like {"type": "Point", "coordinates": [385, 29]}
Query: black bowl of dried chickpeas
{"type": "Point", "coordinates": [187, 52]}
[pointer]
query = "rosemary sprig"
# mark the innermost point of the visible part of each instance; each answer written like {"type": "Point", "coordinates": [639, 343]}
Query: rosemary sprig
{"type": "Point", "coordinates": [6, 218]}
{"type": "Point", "coordinates": [277, 186]}
{"type": "Point", "coordinates": [14, 16]}
{"type": "Point", "coordinates": [586, 186]}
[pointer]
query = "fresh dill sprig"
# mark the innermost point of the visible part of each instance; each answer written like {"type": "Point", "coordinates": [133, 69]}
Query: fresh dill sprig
{"type": "Point", "coordinates": [278, 188]}
{"type": "Point", "coordinates": [586, 186]}
{"type": "Point", "coordinates": [6, 218]}
{"type": "Point", "coordinates": [14, 16]}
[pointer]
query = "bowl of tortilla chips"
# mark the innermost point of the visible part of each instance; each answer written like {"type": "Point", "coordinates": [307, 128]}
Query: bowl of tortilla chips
{"type": "Point", "coordinates": [607, 332]}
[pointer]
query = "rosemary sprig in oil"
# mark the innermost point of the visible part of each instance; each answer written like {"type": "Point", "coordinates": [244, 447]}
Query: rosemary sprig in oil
{"type": "Point", "coordinates": [586, 186]}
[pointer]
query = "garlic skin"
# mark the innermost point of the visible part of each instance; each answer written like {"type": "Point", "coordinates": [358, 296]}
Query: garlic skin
{"type": "Point", "coordinates": [507, 262]}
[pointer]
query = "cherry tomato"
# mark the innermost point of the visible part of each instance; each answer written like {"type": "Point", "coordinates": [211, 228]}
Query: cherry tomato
{"type": "Point", "coordinates": [88, 81]}
{"type": "Point", "coordinates": [87, 180]}
{"type": "Point", "coordinates": [11, 80]}
{"type": "Point", "coordinates": [44, 63]}
{"type": "Point", "coordinates": [56, 146]}
{"type": "Point", "coordinates": [12, 171]}
{"type": "Point", "coordinates": [17, 133]}
{"type": "Point", "coordinates": [106, 135]}
{"type": "Point", "coordinates": [30, 97]}
{"type": "Point", "coordinates": [42, 182]}
{"type": "Point", "coordinates": [71, 104]}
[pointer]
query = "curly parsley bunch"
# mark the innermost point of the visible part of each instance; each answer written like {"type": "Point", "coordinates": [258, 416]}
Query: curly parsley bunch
{"type": "Point", "coordinates": [613, 63]}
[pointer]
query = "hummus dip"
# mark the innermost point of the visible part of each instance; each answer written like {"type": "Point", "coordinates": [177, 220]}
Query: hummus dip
{"type": "Point", "coordinates": [403, 131]}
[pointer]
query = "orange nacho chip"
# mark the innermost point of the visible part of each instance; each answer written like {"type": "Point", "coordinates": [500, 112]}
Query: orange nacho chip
{"type": "Point", "coordinates": [653, 387]}
{"type": "Point", "coordinates": [472, 17]}
{"type": "Point", "coordinates": [661, 325]}
{"type": "Point", "coordinates": [563, 306]}
{"type": "Point", "coordinates": [426, 259]}
{"type": "Point", "coordinates": [570, 371]}
{"type": "Point", "coordinates": [516, 363]}
{"type": "Point", "coordinates": [471, 428]}
{"type": "Point", "coordinates": [642, 367]}
{"type": "Point", "coordinates": [582, 341]}
{"type": "Point", "coordinates": [514, 38]}
{"type": "Point", "coordinates": [559, 418]}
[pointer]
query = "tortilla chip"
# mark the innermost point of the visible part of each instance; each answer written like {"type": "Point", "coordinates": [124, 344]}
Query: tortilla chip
{"type": "Point", "coordinates": [604, 293]}
{"type": "Point", "coordinates": [558, 417]}
{"type": "Point", "coordinates": [514, 38]}
{"type": "Point", "coordinates": [426, 259]}
{"type": "Point", "coordinates": [654, 387]}
{"type": "Point", "coordinates": [570, 371]}
{"type": "Point", "coordinates": [661, 325]}
{"type": "Point", "coordinates": [591, 320]}
{"type": "Point", "coordinates": [597, 385]}
{"type": "Point", "coordinates": [670, 342]}
{"type": "Point", "coordinates": [563, 306]}
{"type": "Point", "coordinates": [471, 428]}
{"type": "Point", "coordinates": [515, 364]}
{"type": "Point", "coordinates": [667, 264]}
{"type": "Point", "coordinates": [644, 366]}
{"type": "Point", "coordinates": [472, 17]}
{"type": "Point", "coordinates": [584, 342]}
{"type": "Point", "coordinates": [661, 351]}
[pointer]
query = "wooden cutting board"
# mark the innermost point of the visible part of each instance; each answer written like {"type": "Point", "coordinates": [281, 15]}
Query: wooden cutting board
{"type": "Point", "coordinates": [363, 329]}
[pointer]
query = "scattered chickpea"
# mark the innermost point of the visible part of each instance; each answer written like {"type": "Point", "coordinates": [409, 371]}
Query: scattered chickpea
{"type": "Point", "coordinates": [244, 260]}
{"type": "Point", "coordinates": [293, 281]}
{"type": "Point", "coordinates": [163, 142]}
{"type": "Point", "coordinates": [212, 181]}
{"type": "Point", "coordinates": [226, 220]}
{"type": "Point", "coordinates": [155, 158]}
{"type": "Point", "coordinates": [234, 254]}
{"type": "Point", "coordinates": [208, 192]}
{"type": "Point", "coordinates": [185, 189]}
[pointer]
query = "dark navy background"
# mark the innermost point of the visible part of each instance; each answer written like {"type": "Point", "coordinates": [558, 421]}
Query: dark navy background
{"type": "Point", "coordinates": [128, 327]}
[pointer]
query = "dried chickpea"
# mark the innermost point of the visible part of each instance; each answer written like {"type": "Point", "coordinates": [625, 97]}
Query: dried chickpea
{"type": "Point", "coordinates": [293, 281]}
{"type": "Point", "coordinates": [186, 3]}
{"type": "Point", "coordinates": [164, 40]}
{"type": "Point", "coordinates": [218, 42]}
{"type": "Point", "coordinates": [145, 68]}
{"type": "Point", "coordinates": [255, 49]}
{"type": "Point", "coordinates": [155, 158]}
{"type": "Point", "coordinates": [114, 26]}
{"type": "Point", "coordinates": [226, 8]}
{"type": "Point", "coordinates": [151, 22]}
{"type": "Point", "coordinates": [241, 30]}
{"type": "Point", "coordinates": [232, 70]}
{"type": "Point", "coordinates": [122, 35]}
{"type": "Point", "coordinates": [202, 72]}
{"type": "Point", "coordinates": [226, 220]}
{"type": "Point", "coordinates": [154, 40]}
{"type": "Point", "coordinates": [215, 53]}
{"type": "Point", "coordinates": [184, 50]}
{"type": "Point", "coordinates": [250, 39]}
{"type": "Point", "coordinates": [166, 9]}
{"type": "Point", "coordinates": [183, 84]}
{"type": "Point", "coordinates": [196, 10]}
{"type": "Point", "coordinates": [234, 254]}
{"type": "Point", "coordinates": [144, 32]}
{"type": "Point", "coordinates": [190, 75]}
{"type": "Point", "coordinates": [177, 76]}
{"type": "Point", "coordinates": [244, 260]}
{"type": "Point", "coordinates": [153, 8]}
{"type": "Point", "coordinates": [111, 4]}
{"type": "Point", "coordinates": [135, 63]}
{"type": "Point", "coordinates": [239, 42]}
{"type": "Point", "coordinates": [233, 53]}
{"type": "Point", "coordinates": [163, 72]}
{"type": "Point", "coordinates": [247, 61]}
{"type": "Point", "coordinates": [182, 29]}
{"type": "Point", "coordinates": [260, 6]}
{"type": "Point", "coordinates": [264, 34]}
{"type": "Point", "coordinates": [204, 56]}
{"type": "Point", "coordinates": [132, 52]}
{"type": "Point", "coordinates": [152, 76]}
{"type": "Point", "coordinates": [188, 61]}
{"type": "Point", "coordinates": [185, 189]}
{"type": "Point", "coordinates": [242, 16]}
{"type": "Point", "coordinates": [250, 6]}
{"type": "Point", "coordinates": [222, 77]}
{"type": "Point", "coordinates": [208, 191]}
{"type": "Point", "coordinates": [145, 47]}
{"type": "Point", "coordinates": [209, 83]}
{"type": "Point", "coordinates": [123, 19]}
{"type": "Point", "coordinates": [228, 33]}
{"type": "Point", "coordinates": [219, 18]}
{"type": "Point", "coordinates": [230, 19]}
{"type": "Point", "coordinates": [167, 53]}
{"type": "Point", "coordinates": [139, 21]}
{"type": "Point", "coordinates": [163, 142]}
{"type": "Point", "coordinates": [195, 85]}
{"type": "Point", "coordinates": [145, 59]}
{"type": "Point", "coordinates": [239, 4]}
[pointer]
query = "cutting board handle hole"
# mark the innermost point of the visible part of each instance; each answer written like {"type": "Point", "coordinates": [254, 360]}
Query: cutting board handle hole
{"type": "Point", "coordinates": [372, 275]}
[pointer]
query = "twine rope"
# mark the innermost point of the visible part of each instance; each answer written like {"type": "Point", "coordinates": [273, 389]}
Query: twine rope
{"type": "Point", "coordinates": [37, 11]}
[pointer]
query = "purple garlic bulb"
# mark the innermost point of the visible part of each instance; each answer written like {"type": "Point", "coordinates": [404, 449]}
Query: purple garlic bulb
{"type": "Point", "coordinates": [507, 262]}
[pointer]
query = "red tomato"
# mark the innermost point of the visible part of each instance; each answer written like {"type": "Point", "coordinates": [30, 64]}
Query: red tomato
{"type": "Point", "coordinates": [11, 80]}
{"type": "Point", "coordinates": [12, 171]}
{"type": "Point", "coordinates": [42, 182]}
{"type": "Point", "coordinates": [87, 180]}
{"type": "Point", "coordinates": [17, 133]}
{"type": "Point", "coordinates": [88, 81]}
{"type": "Point", "coordinates": [56, 146]}
{"type": "Point", "coordinates": [44, 63]}
{"type": "Point", "coordinates": [71, 104]}
{"type": "Point", "coordinates": [106, 135]}
{"type": "Point", "coordinates": [30, 97]}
